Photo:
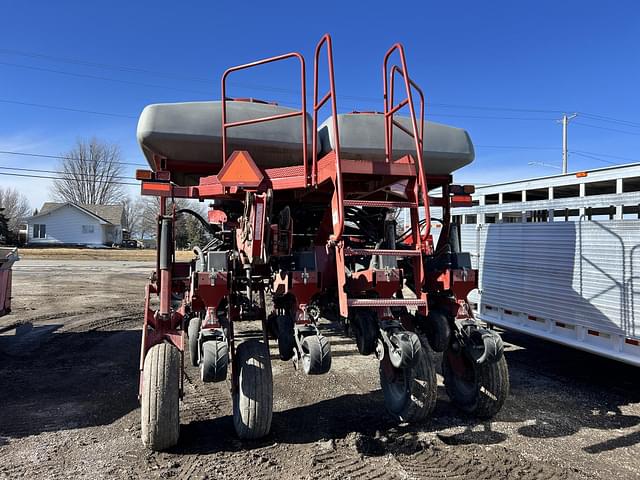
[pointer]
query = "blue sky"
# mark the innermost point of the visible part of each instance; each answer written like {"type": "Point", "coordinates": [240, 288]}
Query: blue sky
{"type": "Point", "coordinates": [503, 70]}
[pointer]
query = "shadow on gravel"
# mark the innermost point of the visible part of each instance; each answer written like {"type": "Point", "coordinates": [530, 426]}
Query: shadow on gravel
{"type": "Point", "coordinates": [329, 419]}
{"type": "Point", "coordinates": [57, 381]}
{"type": "Point", "coordinates": [472, 436]}
{"type": "Point", "coordinates": [556, 391]}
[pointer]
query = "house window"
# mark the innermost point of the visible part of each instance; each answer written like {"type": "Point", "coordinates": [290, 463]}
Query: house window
{"type": "Point", "coordinates": [39, 230]}
{"type": "Point", "coordinates": [87, 228]}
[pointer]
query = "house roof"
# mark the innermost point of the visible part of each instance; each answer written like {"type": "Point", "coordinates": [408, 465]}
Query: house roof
{"type": "Point", "coordinates": [108, 213]}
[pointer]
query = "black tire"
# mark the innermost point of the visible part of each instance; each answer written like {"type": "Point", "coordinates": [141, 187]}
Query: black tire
{"type": "Point", "coordinates": [477, 389]}
{"type": "Point", "coordinates": [365, 329]}
{"type": "Point", "coordinates": [253, 399]}
{"type": "Point", "coordinates": [407, 351]}
{"type": "Point", "coordinates": [160, 409]}
{"type": "Point", "coordinates": [286, 337]}
{"type": "Point", "coordinates": [215, 358]}
{"type": "Point", "coordinates": [410, 393]}
{"type": "Point", "coordinates": [193, 332]}
{"type": "Point", "coordinates": [437, 330]}
{"type": "Point", "coordinates": [316, 355]}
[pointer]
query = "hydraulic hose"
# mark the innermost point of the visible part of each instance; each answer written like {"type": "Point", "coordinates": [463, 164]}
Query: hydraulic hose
{"type": "Point", "coordinates": [207, 226]}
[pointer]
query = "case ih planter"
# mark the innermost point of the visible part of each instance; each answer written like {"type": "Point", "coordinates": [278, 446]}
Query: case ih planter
{"type": "Point", "coordinates": [303, 227]}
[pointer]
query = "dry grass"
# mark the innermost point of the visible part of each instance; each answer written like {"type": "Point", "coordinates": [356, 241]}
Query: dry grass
{"type": "Point", "coordinates": [95, 254]}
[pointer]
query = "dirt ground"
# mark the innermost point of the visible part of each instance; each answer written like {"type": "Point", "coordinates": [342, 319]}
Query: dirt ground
{"type": "Point", "coordinates": [69, 356]}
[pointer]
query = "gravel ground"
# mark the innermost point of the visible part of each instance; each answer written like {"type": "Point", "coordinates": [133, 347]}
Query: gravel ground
{"type": "Point", "coordinates": [68, 403]}
{"type": "Point", "coordinates": [65, 254]}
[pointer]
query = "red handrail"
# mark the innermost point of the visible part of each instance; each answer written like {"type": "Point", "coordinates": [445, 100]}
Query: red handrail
{"type": "Point", "coordinates": [302, 112]}
{"type": "Point", "coordinates": [317, 105]}
{"type": "Point", "coordinates": [397, 69]}
{"type": "Point", "coordinates": [390, 109]}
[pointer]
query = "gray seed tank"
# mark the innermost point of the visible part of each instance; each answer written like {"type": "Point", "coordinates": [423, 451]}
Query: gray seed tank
{"type": "Point", "coordinates": [189, 135]}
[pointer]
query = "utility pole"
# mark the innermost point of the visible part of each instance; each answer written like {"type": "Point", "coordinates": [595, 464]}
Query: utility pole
{"type": "Point", "coordinates": [565, 148]}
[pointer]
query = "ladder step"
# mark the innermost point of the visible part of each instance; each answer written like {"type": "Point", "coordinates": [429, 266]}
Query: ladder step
{"type": "Point", "coordinates": [352, 252]}
{"type": "Point", "coordinates": [379, 204]}
{"type": "Point", "coordinates": [386, 302]}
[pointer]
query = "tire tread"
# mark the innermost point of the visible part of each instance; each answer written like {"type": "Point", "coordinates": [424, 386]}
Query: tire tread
{"type": "Point", "coordinates": [253, 402]}
{"type": "Point", "coordinates": [422, 392]}
{"type": "Point", "coordinates": [319, 354]}
{"type": "Point", "coordinates": [215, 359]}
{"type": "Point", "coordinates": [160, 409]}
{"type": "Point", "coordinates": [491, 377]}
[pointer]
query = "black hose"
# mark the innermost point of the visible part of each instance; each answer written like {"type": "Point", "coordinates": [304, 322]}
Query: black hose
{"type": "Point", "coordinates": [207, 226]}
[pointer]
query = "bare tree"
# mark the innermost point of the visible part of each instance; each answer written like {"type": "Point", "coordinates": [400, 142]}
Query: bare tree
{"type": "Point", "coordinates": [147, 209]}
{"type": "Point", "coordinates": [188, 230]}
{"type": "Point", "coordinates": [91, 174]}
{"type": "Point", "coordinates": [16, 207]}
{"type": "Point", "coordinates": [130, 216]}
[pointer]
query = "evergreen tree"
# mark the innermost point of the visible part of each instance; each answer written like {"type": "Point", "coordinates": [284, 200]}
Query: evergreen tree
{"type": "Point", "coordinates": [5, 234]}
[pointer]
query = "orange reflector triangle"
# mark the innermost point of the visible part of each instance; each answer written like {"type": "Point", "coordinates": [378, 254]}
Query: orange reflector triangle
{"type": "Point", "coordinates": [240, 171]}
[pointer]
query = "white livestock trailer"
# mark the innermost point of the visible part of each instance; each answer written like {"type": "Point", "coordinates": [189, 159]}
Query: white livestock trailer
{"type": "Point", "coordinates": [559, 258]}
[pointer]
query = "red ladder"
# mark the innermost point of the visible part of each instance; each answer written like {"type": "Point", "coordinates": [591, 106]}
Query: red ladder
{"type": "Point", "coordinates": [416, 190]}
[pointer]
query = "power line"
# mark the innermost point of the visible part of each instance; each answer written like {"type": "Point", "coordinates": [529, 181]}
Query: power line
{"type": "Point", "coordinates": [605, 128]}
{"type": "Point", "coordinates": [74, 174]}
{"type": "Point", "coordinates": [427, 115]}
{"type": "Point", "coordinates": [61, 157]}
{"type": "Point", "coordinates": [594, 158]}
{"type": "Point", "coordinates": [111, 114]}
{"type": "Point", "coordinates": [97, 77]}
{"type": "Point", "coordinates": [377, 100]}
{"type": "Point", "coordinates": [516, 147]}
{"type": "Point", "coordinates": [55, 107]}
{"type": "Point", "coordinates": [610, 119]}
{"type": "Point", "coordinates": [58, 178]}
{"type": "Point", "coordinates": [607, 155]}
{"type": "Point", "coordinates": [72, 177]}
{"type": "Point", "coordinates": [102, 65]}
{"type": "Point", "coordinates": [505, 109]}
{"type": "Point", "coordinates": [163, 74]}
{"type": "Point", "coordinates": [261, 87]}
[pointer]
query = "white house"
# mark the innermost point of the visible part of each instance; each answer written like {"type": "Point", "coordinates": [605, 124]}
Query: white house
{"type": "Point", "coordinates": [71, 224]}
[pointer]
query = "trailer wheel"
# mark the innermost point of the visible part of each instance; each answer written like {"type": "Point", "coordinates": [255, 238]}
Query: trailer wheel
{"type": "Point", "coordinates": [406, 349]}
{"type": "Point", "coordinates": [477, 389]}
{"type": "Point", "coordinates": [193, 331]}
{"type": "Point", "coordinates": [365, 329]}
{"type": "Point", "coordinates": [409, 393]}
{"type": "Point", "coordinates": [316, 355]}
{"type": "Point", "coordinates": [160, 397]}
{"type": "Point", "coordinates": [253, 397]}
{"type": "Point", "coordinates": [215, 358]}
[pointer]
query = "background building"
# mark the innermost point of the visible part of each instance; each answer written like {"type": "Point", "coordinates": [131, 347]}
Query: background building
{"type": "Point", "coordinates": [70, 224]}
